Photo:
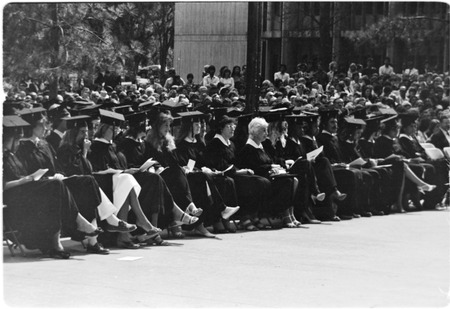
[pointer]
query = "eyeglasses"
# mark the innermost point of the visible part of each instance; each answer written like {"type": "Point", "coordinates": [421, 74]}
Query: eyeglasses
{"type": "Point", "coordinates": [231, 126]}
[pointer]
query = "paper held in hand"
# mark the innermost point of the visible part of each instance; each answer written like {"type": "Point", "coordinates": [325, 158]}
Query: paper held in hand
{"type": "Point", "coordinates": [110, 171]}
{"type": "Point", "coordinates": [191, 165]}
{"type": "Point", "coordinates": [147, 164]}
{"type": "Point", "coordinates": [357, 162]}
{"type": "Point", "coordinates": [313, 154]}
{"type": "Point", "coordinates": [39, 173]}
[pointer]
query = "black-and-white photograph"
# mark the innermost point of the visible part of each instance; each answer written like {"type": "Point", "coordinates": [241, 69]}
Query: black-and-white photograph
{"type": "Point", "coordinates": [226, 154]}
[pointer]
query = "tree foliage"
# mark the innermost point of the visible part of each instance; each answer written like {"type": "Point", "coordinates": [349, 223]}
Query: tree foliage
{"type": "Point", "coordinates": [84, 37]}
{"type": "Point", "coordinates": [409, 30]}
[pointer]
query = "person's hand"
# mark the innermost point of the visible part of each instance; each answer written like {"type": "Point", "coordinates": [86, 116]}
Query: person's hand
{"type": "Point", "coordinates": [417, 160]}
{"type": "Point", "coordinates": [207, 170]}
{"type": "Point", "coordinates": [373, 162]}
{"type": "Point", "coordinates": [289, 163]}
{"type": "Point", "coordinates": [131, 170]}
{"type": "Point", "coordinates": [58, 176]}
{"type": "Point", "coordinates": [186, 170]}
{"type": "Point", "coordinates": [86, 145]}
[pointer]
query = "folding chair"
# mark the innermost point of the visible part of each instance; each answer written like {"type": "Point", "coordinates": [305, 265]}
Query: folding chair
{"type": "Point", "coordinates": [427, 145]}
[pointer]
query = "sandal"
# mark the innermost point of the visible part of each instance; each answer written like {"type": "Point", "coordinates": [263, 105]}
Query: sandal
{"type": "Point", "coordinates": [175, 230]}
{"type": "Point", "coordinates": [219, 228]}
{"type": "Point", "coordinates": [127, 245]}
{"type": "Point", "coordinates": [287, 222]}
{"type": "Point", "coordinates": [248, 225]}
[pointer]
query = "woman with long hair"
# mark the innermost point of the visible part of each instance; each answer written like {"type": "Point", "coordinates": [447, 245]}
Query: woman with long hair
{"type": "Point", "coordinates": [34, 153]}
{"type": "Point", "coordinates": [160, 145]}
{"type": "Point", "coordinates": [207, 187]}
{"type": "Point", "coordinates": [104, 156]}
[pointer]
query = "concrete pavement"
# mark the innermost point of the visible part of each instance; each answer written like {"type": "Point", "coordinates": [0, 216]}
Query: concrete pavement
{"type": "Point", "coordinates": [400, 260]}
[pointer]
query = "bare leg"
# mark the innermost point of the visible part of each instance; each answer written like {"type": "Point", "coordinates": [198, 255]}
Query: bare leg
{"type": "Point", "coordinates": [416, 180]}
{"type": "Point", "coordinates": [141, 219]}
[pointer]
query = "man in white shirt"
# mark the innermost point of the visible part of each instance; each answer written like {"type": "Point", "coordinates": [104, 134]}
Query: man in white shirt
{"type": "Point", "coordinates": [210, 80]}
{"type": "Point", "coordinates": [386, 68]}
{"type": "Point", "coordinates": [282, 74]}
{"type": "Point", "coordinates": [410, 70]}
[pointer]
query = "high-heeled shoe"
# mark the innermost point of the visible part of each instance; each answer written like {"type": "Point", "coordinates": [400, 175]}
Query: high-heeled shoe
{"type": "Point", "coordinates": [58, 254]}
{"type": "Point", "coordinates": [78, 235]}
{"type": "Point", "coordinates": [97, 249]}
{"type": "Point", "coordinates": [187, 219]}
{"type": "Point", "coordinates": [426, 188]}
{"type": "Point", "coordinates": [194, 211]}
{"type": "Point", "coordinates": [121, 227]}
{"type": "Point", "coordinates": [287, 222]}
{"type": "Point", "coordinates": [336, 195]}
{"type": "Point", "coordinates": [319, 197]}
{"type": "Point", "coordinates": [229, 211]}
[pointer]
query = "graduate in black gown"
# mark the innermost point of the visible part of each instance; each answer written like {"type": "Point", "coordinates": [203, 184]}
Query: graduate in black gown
{"type": "Point", "coordinates": [254, 157]}
{"type": "Point", "coordinates": [380, 177]}
{"type": "Point", "coordinates": [39, 209]}
{"type": "Point", "coordinates": [349, 180]}
{"type": "Point", "coordinates": [393, 185]}
{"type": "Point", "coordinates": [154, 197]}
{"type": "Point", "coordinates": [160, 145]}
{"type": "Point", "coordinates": [386, 146]}
{"type": "Point", "coordinates": [252, 190]}
{"type": "Point", "coordinates": [436, 171]}
{"type": "Point", "coordinates": [207, 186]}
{"type": "Point", "coordinates": [304, 134]}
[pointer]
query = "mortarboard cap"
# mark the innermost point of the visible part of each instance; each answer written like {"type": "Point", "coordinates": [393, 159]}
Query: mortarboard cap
{"type": "Point", "coordinates": [194, 116]}
{"type": "Point", "coordinates": [244, 119]}
{"type": "Point", "coordinates": [124, 109]}
{"type": "Point", "coordinates": [145, 106]}
{"type": "Point", "coordinates": [373, 123]}
{"type": "Point", "coordinates": [111, 118]}
{"type": "Point", "coordinates": [353, 122]}
{"type": "Point", "coordinates": [14, 121]}
{"type": "Point", "coordinates": [297, 118]}
{"type": "Point", "coordinates": [327, 113]}
{"type": "Point", "coordinates": [390, 122]}
{"type": "Point", "coordinates": [233, 112]}
{"type": "Point", "coordinates": [33, 114]}
{"type": "Point", "coordinates": [136, 118]}
{"type": "Point", "coordinates": [76, 121]}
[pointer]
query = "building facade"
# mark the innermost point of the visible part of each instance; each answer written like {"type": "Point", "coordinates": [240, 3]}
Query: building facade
{"type": "Point", "coordinates": [305, 32]}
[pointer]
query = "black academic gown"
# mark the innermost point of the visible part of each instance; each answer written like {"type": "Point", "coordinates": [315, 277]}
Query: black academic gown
{"type": "Point", "coordinates": [282, 186]}
{"type": "Point", "coordinates": [37, 209]}
{"type": "Point", "coordinates": [436, 172]}
{"type": "Point", "coordinates": [251, 190]}
{"type": "Point", "coordinates": [154, 197]}
{"type": "Point", "coordinates": [214, 203]}
{"type": "Point", "coordinates": [84, 189]}
{"type": "Point", "coordinates": [349, 180]}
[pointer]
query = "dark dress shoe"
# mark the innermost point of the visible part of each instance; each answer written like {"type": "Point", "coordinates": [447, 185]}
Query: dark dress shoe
{"type": "Point", "coordinates": [336, 195]}
{"type": "Point", "coordinates": [97, 249]}
{"type": "Point", "coordinates": [378, 213]}
{"type": "Point", "coordinates": [356, 216]}
{"type": "Point", "coordinates": [122, 227]}
{"type": "Point", "coordinates": [336, 219]}
{"type": "Point", "coordinates": [366, 214]}
{"type": "Point", "coordinates": [57, 254]}
{"type": "Point", "coordinates": [78, 235]}
{"type": "Point", "coordinates": [345, 217]}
